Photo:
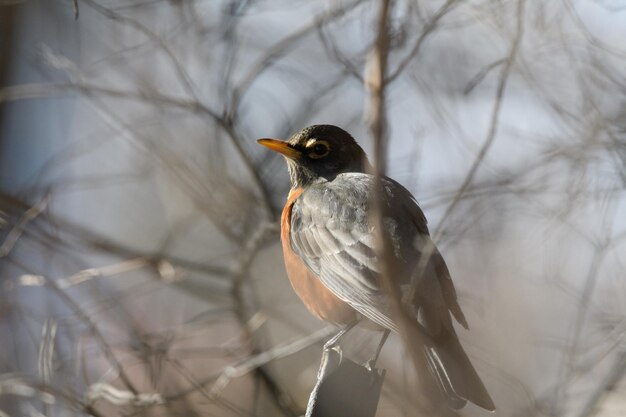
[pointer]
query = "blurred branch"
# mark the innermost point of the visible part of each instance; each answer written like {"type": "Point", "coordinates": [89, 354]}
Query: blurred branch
{"type": "Point", "coordinates": [569, 360]}
{"type": "Point", "coordinates": [115, 121]}
{"type": "Point", "coordinates": [583, 306]}
{"type": "Point", "coordinates": [20, 386]}
{"type": "Point", "coordinates": [260, 359]}
{"type": "Point", "coordinates": [279, 49]}
{"type": "Point", "coordinates": [218, 381]}
{"type": "Point", "coordinates": [429, 27]}
{"type": "Point", "coordinates": [413, 339]}
{"type": "Point", "coordinates": [591, 38]}
{"type": "Point", "coordinates": [333, 50]}
{"type": "Point", "coordinates": [493, 125]}
{"type": "Point", "coordinates": [604, 387]}
{"type": "Point", "coordinates": [103, 271]}
{"type": "Point", "coordinates": [116, 396]}
{"type": "Point", "coordinates": [193, 105]}
{"type": "Point", "coordinates": [23, 386]}
{"type": "Point", "coordinates": [478, 78]}
{"type": "Point", "coordinates": [240, 271]}
{"type": "Point", "coordinates": [30, 91]}
{"type": "Point", "coordinates": [17, 230]}
{"type": "Point", "coordinates": [46, 349]}
{"type": "Point", "coordinates": [181, 73]}
{"type": "Point", "coordinates": [98, 336]}
{"type": "Point", "coordinates": [375, 84]}
{"type": "Point", "coordinates": [89, 238]}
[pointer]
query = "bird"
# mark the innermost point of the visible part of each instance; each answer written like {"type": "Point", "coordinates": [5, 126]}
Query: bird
{"type": "Point", "coordinates": [329, 246]}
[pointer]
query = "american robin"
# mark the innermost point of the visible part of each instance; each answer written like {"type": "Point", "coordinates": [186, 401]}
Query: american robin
{"type": "Point", "coordinates": [329, 245]}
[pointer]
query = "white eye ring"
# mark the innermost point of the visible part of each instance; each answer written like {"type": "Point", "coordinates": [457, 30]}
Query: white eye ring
{"type": "Point", "coordinates": [318, 149]}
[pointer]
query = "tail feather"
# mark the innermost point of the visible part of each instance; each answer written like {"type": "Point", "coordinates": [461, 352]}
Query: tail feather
{"type": "Point", "coordinates": [455, 375]}
{"type": "Point", "coordinates": [436, 367]}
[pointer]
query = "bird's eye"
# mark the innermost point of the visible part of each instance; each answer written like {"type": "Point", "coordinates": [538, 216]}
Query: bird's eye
{"type": "Point", "coordinates": [319, 149]}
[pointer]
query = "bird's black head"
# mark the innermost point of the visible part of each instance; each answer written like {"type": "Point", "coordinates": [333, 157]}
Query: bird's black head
{"type": "Point", "coordinates": [319, 151]}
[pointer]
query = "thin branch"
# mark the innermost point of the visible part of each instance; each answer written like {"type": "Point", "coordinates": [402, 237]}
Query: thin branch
{"type": "Point", "coordinates": [282, 48]}
{"type": "Point", "coordinates": [604, 387]}
{"type": "Point", "coordinates": [103, 271]}
{"type": "Point", "coordinates": [280, 351]}
{"type": "Point", "coordinates": [95, 241]}
{"type": "Point", "coordinates": [480, 76]}
{"type": "Point", "coordinates": [429, 27]}
{"type": "Point", "coordinates": [107, 392]}
{"type": "Point", "coordinates": [333, 50]}
{"type": "Point", "coordinates": [495, 118]}
{"type": "Point", "coordinates": [590, 37]}
{"type": "Point", "coordinates": [98, 336]}
{"type": "Point", "coordinates": [17, 230]}
{"type": "Point", "coordinates": [181, 73]}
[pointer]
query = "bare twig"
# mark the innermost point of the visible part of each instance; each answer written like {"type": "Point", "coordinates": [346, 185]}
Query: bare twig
{"type": "Point", "coordinates": [181, 73]}
{"type": "Point", "coordinates": [104, 271]}
{"type": "Point", "coordinates": [17, 230]}
{"type": "Point", "coordinates": [260, 359]}
{"type": "Point", "coordinates": [604, 387]}
{"type": "Point", "coordinates": [477, 79]}
{"type": "Point", "coordinates": [280, 49]}
{"type": "Point", "coordinates": [116, 396]}
{"type": "Point", "coordinates": [98, 336]}
{"type": "Point", "coordinates": [494, 123]}
{"type": "Point", "coordinates": [46, 349]}
{"type": "Point", "coordinates": [429, 27]}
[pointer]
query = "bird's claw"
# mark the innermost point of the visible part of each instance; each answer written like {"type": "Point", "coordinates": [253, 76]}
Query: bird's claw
{"type": "Point", "coordinates": [336, 348]}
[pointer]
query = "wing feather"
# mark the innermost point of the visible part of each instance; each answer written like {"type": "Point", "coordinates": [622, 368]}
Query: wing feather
{"type": "Point", "coordinates": [331, 233]}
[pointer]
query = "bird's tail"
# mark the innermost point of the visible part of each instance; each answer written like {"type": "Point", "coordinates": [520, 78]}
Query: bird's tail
{"type": "Point", "coordinates": [454, 373]}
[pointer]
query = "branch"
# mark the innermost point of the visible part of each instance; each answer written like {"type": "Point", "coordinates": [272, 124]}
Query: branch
{"type": "Point", "coordinates": [181, 73]}
{"type": "Point", "coordinates": [428, 29]}
{"type": "Point", "coordinates": [477, 79]}
{"type": "Point", "coordinates": [493, 125]}
{"type": "Point", "coordinates": [222, 378]}
{"type": "Point", "coordinates": [279, 49]}
{"type": "Point", "coordinates": [96, 241]}
{"type": "Point", "coordinates": [413, 339]}
{"type": "Point", "coordinates": [100, 339]}
{"type": "Point", "coordinates": [17, 230]}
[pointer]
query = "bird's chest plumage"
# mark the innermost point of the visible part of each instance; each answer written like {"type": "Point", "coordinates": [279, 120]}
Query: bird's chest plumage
{"type": "Point", "coordinates": [320, 301]}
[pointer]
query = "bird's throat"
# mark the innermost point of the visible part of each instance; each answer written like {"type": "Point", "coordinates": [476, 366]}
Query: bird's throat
{"type": "Point", "coordinates": [299, 175]}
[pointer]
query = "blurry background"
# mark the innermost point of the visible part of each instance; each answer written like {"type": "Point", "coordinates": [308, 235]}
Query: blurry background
{"type": "Point", "coordinates": [140, 267]}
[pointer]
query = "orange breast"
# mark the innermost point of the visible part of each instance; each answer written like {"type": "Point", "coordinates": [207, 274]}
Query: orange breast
{"type": "Point", "coordinates": [316, 297]}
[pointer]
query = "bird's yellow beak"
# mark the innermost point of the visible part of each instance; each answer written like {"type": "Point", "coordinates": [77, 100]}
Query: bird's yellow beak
{"type": "Point", "coordinates": [281, 147]}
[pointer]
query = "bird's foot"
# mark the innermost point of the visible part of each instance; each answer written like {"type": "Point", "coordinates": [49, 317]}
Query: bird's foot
{"type": "Point", "coordinates": [337, 349]}
{"type": "Point", "coordinates": [333, 343]}
{"type": "Point", "coordinates": [371, 364]}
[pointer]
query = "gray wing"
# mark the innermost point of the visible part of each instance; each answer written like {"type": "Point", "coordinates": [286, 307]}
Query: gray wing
{"type": "Point", "coordinates": [331, 233]}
